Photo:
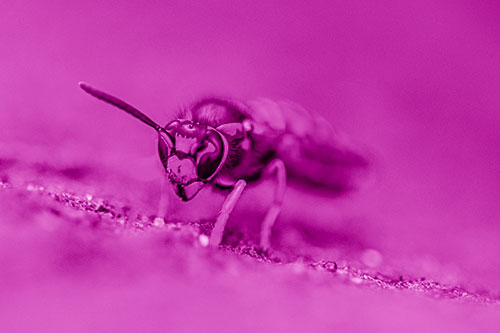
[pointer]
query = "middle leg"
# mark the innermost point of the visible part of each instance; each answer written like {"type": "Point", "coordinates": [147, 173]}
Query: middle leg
{"type": "Point", "coordinates": [277, 168]}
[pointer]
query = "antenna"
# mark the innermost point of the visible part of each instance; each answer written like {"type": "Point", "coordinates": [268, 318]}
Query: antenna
{"type": "Point", "coordinates": [120, 104]}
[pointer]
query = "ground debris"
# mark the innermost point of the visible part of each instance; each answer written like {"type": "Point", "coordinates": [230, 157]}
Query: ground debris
{"type": "Point", "coordinates": [115, 216]}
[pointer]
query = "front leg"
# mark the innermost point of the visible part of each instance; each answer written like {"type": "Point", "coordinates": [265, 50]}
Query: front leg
{"type": "Point", "coordinates": [277, 168]}
{"type": "Point", "coordinates": [227, 208]}
{"type": "Point", "coordinates": [165, 198]}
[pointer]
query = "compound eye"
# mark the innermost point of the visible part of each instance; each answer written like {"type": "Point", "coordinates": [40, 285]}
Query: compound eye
{"type": "Point", "coordinates": [212, 155]}
{"type": "Point", "coordinates": [165, 145]}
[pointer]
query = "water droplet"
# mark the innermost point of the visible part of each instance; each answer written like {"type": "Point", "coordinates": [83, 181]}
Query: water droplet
{"type": "Point", "coordinates": [203, 239]}
{"type": "Point", "coordinates": [159, 222]}
{"type": "Point", "coordinates": [371, 258]}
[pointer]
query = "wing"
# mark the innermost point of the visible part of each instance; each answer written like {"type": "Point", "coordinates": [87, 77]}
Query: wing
{"type": "Point", "coordinates": [314, 154]}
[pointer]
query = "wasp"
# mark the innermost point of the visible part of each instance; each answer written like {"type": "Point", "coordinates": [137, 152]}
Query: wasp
{"type": "Point", "coordinates": [228, 144]}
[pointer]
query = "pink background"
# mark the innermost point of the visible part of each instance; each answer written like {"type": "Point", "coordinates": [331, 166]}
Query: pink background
{"type": "Point", "coordinates": [415, 82]}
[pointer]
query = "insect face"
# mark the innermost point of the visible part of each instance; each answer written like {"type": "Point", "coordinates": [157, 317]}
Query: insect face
{"type": "Point", "coordinates": [192, 155]}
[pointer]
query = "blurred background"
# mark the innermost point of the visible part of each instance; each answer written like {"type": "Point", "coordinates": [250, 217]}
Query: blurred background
{"type": "Point", "coordinates": [414, 82]}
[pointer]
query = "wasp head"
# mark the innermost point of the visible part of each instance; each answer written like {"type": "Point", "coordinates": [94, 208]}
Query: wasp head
{"type": "Point", "coordinates": [192, 155]}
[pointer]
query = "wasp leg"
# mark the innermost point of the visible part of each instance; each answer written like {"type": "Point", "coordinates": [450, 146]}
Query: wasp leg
{"type": "Point", "coordinates": [276, 167]}
{"type": "Point", "coordinates": [227, 208]}
{"type": "Point", "coordinates": [165, 197]}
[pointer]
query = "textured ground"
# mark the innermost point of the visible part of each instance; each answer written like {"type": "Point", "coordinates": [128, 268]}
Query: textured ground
{"type": "Point", "coordinates": [79, 255]}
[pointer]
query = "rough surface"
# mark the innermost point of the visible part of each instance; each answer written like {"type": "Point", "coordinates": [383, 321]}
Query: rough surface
{"type": "Point", "coordinates": [75, 260]}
